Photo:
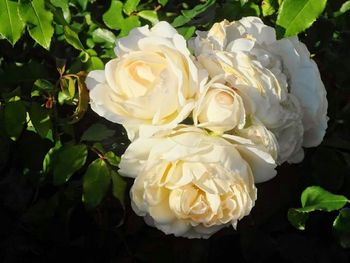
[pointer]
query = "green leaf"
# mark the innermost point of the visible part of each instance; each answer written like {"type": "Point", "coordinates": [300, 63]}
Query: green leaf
{"type": "Point", "coordinates": [341, 227]}
{"type": "Point", "coordinates": [188, 15]}
{"type": "Point", "coordinates": [130, 6]}
{"type": "Point", "coordinates": [112, 159]}
{"type": "Point", "coordinates": [297, 15]}
{"type": "Point", "coordinates": [128, 24]}
{"type": "Point", "coordinates": [250, 9]}
{"type": "Point", "coordinates": [67, 160]}
{"type": "Point", "coordinates": [71, 87]}
{"type": "Point", "coordinates": [163, 2]}
{"type": "Point", "coordinates": [41, 86]}
{"type": "Point", "coordinates": [97, 132]}
{"type": "Point", "coordinates": [94, 63]}
{"type": "Point", "coordinates": [83, 3]}
{"type": "Point", "coordinates": [149, 15]}
{"type": "Point", "coordinates": [345, 7]}
{"type": "Point", "coordinates": [269, 7]}
{"type": "Point", "coordinates": [187, 31]}
{"type": "Point", "coordinates": [113, 17]}
{"type": "Point", "coordinates": [103, 35]}
{"type": "Point", "coordinates": [49, 158]}
{"type": "Point", "coordinates": [119, 186]}
{"type": "Point", "coordinates": [315, 198]}
{"type": "Point", "coordinates": [72, 38]}
{"type": "Point", "coordinates": [11, 26]}
{"type": "Point", "coordinates": [38, 21]}
{"type": "Point", "coordinates": [64, 5]}
{"type": "Point", "coordinates": [297, 219]}
{"type": "Point", "coordinates": [96, 182]}
{"type": "Point", "coordinates": [40, 119]}
{"type": "Point", "coordinates": [15, 118]}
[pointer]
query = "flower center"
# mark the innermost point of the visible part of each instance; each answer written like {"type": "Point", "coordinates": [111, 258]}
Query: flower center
{"type": "Point", "coordinates": [224, 98]}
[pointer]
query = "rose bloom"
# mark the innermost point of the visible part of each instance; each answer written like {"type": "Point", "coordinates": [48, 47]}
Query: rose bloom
{"type": "Point", "coordinates": [278, 82]}
{"type": "Point", "coordinates": [219, 107]}
{"type": "Point", "coordinates": [151, 84]}
{"type": "Point", "coordinates": [191, 184]}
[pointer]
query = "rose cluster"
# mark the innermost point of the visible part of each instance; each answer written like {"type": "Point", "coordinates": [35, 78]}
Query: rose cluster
{"type": "Point", "coordinates": [206, 125]}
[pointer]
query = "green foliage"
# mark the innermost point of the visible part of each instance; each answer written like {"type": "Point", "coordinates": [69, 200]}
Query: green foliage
{"type": "Point", "coordinates": [315, 198]}
{"type": "Point", "coordinates": [341, 227]}
{"type": "Point", "coordinates": [96, 182]}
{"type": "Point", "coordinates": [188, 15]}
{"type": "Point", "coordinates": [66, 161]}
{"type": "Point", "coordinates": [295, 16]}
{"type": "Point", "coordinates": [38, 21]}
{"type": "Point", "coordinates": [11, 26]}
{"type": "Point", "coordinates": [97, 132]}
{"type": "Point", "coordinates": [57, 157]}
{"type": "Point", "coordinates": [40, 118]}
{"type": "Point", "coordinates": [14, 118]}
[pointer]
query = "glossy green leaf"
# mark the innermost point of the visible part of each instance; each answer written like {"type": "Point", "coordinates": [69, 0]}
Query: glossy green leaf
{"type": "Point", "coordinates": [129, 24]}
{"type": "Point", "coordinates": [341, 227]}
{"type": "Point", "coordinates": [71, 87]}
{"type": "Point", "coordinates": [41, 87]}
{"type": "Point", "coordinates": [112, 159]}
{"type": "Point", "coordinates": [315, 198]}
{"type": "Point", "coordinates": [345, 7]}
{"type": "Point", "coordinates": [64, 5]}
{"type": "Point", "coordinates": [295, 16]}
{"type": "Point", "coordinates": [83, 3]}
{"type": "Point", "coordinates": [297, 219]}
{"type": "Point", "coordinates": [163, 2]}
{"type": "Point", "coordinates": [119, 186]}
{"type": "Point", "coordinates": [269, 7]}
{"type": "Point", "coordinates": [94, 63]}
{"type": "Point", "coordinates": [40, 119]}
{"type": "Point", "coordinates": [49, 158]}
{"type": "Point", "coordinates": [38, 21]}
{"type": "Point", "coordinates": [149, 15]}
{"type": "Point", "coordinates": [187, 31]}
{"type": "Point", "coordinates": [68, 160]}
{"type": "Point", "coordinates": [96, 182]}
{"type": "Point", "coordinates": [188, 15]}
{"type": "Point", "coordinates": [11, 26]}
{"type": "Point", "coordinates": [15, 118]}
{"type": "Point", "coordinates": [72, 38]}
{"type": "Point", "coordinates": [130, 6]}
{"type": "Point", "coordinates": [103, 35]}
{"type": "Point", "coordinates": [97, 132]}
{"type": "Point", "coordinates": [113, 18]}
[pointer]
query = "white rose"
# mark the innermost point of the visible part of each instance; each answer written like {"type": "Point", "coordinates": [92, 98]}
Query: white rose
{"type": "Point", "coordinates": [259, 88]}
{"type": "Point", "coordinates": [191, 184]}
{"type": "Point", "coordinates": [290, 135]}
{"type": "Point", "coordinates": [268, 72]}
{"type": "Point", "coordinates": [258, 134]}
{"type": "Point", "coordinates": [306, 84]}
{"type": "Point", "coordinates": [150, 86]}
{"type": "Point", "coordinates": [219, 108]}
